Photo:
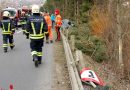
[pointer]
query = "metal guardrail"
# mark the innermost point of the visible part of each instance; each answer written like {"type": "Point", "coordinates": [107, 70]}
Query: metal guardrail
{"type": "Point", "coordinates": [73, 72]}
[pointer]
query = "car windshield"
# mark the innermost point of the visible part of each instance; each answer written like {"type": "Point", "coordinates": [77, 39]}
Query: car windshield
{"type": "Point", "coordinates": [12, 13]}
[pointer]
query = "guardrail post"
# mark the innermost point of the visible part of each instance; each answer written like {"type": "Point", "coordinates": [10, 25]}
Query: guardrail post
{"type": "Point", "coordinates": [72, 39]}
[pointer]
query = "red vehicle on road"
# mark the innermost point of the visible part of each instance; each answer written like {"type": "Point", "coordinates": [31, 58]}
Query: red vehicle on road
{"type": "Point", "coordinates": [15, 14]}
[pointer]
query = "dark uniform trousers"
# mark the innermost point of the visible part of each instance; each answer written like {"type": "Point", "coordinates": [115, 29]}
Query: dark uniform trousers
{"type": "Point", "coordinates": [47, 36]}
{"type": "Point", "coordinates": [58, 34]}
{"type": "Point", "coordinates": [23, 23]}
{"type": "Point", "coordinates": [7, 38]}
{"type": "Point", "coordinates": [36, 47]}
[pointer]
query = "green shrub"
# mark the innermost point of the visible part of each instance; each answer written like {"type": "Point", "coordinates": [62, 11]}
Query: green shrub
{"type": "Point", "coordinates": [89, 44]}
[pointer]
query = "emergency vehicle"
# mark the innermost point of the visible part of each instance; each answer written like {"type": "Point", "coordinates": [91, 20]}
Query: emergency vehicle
{"type": "Point", "coordinates": [13, 12]}
{"type": "Point", "coordinates": [24, 9]}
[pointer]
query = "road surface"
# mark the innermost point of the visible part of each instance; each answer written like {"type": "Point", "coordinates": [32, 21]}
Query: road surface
{"type": "Point", "coordinates": [17, 68]}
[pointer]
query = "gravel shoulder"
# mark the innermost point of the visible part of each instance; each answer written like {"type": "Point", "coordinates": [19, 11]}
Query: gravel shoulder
{"type": "Point", "coordinates": [61, 77]}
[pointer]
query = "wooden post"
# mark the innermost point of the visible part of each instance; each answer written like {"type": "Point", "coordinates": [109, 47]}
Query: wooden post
{"type": "Point", "coordinates": [67, 33]}
{"type": "Point", "coordinates": [79, 58]}
{"type": "Point", "coordinates": [72, 39]}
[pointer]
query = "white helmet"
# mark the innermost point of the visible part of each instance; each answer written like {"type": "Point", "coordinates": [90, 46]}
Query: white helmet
{"type": "Point", "coordinates": [6, 14]}
{"type": "Point", "coordinates": [35, 9]}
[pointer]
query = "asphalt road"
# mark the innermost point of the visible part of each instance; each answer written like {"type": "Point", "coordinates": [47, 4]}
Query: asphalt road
{"type": "Point", "coordinates": [17, 67]}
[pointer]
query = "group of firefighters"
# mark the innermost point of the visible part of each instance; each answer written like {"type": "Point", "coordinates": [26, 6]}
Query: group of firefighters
{"type": "Point", "coordinates": [36, 26]}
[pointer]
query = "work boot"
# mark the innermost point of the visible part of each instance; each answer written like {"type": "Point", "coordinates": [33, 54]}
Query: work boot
{"type": "Point", "coordinates": [27, 37]}
{"type": "Point", "coordinates": [12, 47]}
{"type": "Point", "coordinates": [40, 60]}
{"type": "Point", "coordinates": [36, 63]}
{"type": "Point", "coordinates": [5, 50]}
{"type": "Point", "coordinates": [51, 41]}
{"type": "Point", "coordinates": [47, 41]}
{"type": "Point", "coordinates": [35, 59]}
{"type": "Point", "coordinates": [56, 40]}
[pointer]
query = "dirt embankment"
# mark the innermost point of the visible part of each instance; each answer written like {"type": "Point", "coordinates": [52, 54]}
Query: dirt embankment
{"type": "Point", "coordinates": [105, 72]}
{"type": "Point", "coordinates": [61, 75]}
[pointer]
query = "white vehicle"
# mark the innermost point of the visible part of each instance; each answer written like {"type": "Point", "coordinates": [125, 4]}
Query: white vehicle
{"type": "Point", "coordinates": [12, 11]}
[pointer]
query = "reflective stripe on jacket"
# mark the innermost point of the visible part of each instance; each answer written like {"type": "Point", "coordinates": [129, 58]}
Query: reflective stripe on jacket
{"type": "Point", "coordinates": [34, 35]}
{"type": "Point", "coordinates": [58, 20]}
{"type": "Point", "coordinates": [7, 26]}
{"type": "Point", "coordinates": [36, 27]}
{"type": "Point", "coordinates": [48, 20]}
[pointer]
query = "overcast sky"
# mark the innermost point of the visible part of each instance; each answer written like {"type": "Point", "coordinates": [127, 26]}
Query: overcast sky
{"type": "Point", "coordinates": [23, 2]}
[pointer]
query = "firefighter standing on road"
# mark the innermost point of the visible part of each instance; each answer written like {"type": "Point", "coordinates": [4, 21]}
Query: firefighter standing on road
{"type": "Point", "coordinates": [36, 26]}
{"type": "Point", "coordinates": [58, 24]}
{"type": "Point", "coordinates": [23, 22]}
{"type": "Point", "coordinates": [8, 30]}
{"type": "Point", "coordinates": [49, 23]}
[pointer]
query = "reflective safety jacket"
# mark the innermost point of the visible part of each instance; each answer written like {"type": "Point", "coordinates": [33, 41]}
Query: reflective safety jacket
{"type": "Point", "coordinates": [58, 20]}
{"type": "Point", "coordinates": [48, 20]}
{"type": "Point", "coordinates": [7, 26]}
{"type": "Point", "coordinates": [23, 20]}
{"type": "Point", "coordinates": [36, 27]}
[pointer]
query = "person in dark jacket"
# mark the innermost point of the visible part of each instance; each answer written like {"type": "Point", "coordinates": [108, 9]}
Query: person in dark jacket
{"type": "Point", "coordinates": [36, 27]}
{"type": "Point", "coordinates": [8, 30]}
{"type": "Point", "coordinates": [23, 23]}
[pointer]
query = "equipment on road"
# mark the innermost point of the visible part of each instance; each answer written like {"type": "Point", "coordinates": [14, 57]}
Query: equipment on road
{"type": "Point", "coordinates": [87, 75]}
{"type": "Point", "coordinates": [11, 87]}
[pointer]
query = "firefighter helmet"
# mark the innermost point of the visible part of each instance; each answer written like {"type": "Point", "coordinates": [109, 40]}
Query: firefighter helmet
{"type": "Point", "coordinates": [35, 9]}
{"type": "Point", "coordinates": [23, 13]}
{"type": "Point", "coordinates": [57, 11]}
{"type": "Point", "coordinates": [6, 14]}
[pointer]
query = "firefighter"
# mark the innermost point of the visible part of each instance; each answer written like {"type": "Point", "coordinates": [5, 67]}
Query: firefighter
{"type": "Point", "coordinates": [49, 23]}
{"type": "Point", "coordinates": [16, 23]}
{"type": "Point", "coordinates": [36, 26]}
{"type": "Point", "coordinates": [58, 24]}
{"type": "Point", "coordinates": [23, 22]}
{"type": "Point", "coordinates": [8, 30]}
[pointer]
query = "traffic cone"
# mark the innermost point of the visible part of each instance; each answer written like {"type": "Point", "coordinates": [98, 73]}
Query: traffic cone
{"type": "Point", "coordinates": [11, 87]}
